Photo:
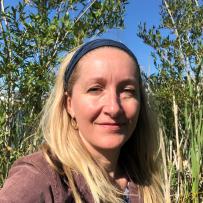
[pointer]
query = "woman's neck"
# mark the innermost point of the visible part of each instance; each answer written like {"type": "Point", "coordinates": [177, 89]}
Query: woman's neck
{"type": "Point", "coordinates": [109, 161]}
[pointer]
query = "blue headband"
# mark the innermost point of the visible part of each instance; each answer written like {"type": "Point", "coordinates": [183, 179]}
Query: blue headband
{"type": "Point", "coordinates": [89, 46]}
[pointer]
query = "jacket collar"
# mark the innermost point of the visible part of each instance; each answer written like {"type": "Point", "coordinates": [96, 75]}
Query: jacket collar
{"type": "Point", "coordinates": [134, 191]}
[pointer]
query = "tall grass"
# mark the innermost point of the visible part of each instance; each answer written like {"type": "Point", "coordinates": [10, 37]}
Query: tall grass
{"type": "Point", "coordinates": [16, 144]}
{"type": "Point", "coordinates": [181, 133]}
{"type": "Point", "coordinates": [183, 152]}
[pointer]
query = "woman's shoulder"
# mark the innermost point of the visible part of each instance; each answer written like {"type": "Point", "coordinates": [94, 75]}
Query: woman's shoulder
{"type": "Point", "coordinates": [32, 179]}
{"type": "Point", "coordinates": [35, 162]}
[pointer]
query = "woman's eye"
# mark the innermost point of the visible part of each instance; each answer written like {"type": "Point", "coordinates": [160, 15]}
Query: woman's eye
{"type": "Point", "coordinates": [129, 92]}
{"type": "Point", "coordinates": [95, 90]}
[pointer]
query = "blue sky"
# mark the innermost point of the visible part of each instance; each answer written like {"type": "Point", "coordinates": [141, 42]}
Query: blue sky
{"type": "Point", "coordinates": [141, 11]}
{"type": "Point", "coordinates": [138, 11]}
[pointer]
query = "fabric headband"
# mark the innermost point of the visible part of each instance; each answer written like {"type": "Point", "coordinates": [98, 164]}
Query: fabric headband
{"type": "Point", "coordinates": [89, 46]}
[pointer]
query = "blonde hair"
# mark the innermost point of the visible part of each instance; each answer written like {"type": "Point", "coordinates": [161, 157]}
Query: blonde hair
{"type": "Point", "coordinates": [138, 155]}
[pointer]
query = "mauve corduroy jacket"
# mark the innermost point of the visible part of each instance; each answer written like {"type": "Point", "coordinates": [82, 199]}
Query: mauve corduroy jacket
{"type": "Point", "coordinates": [32, 180]}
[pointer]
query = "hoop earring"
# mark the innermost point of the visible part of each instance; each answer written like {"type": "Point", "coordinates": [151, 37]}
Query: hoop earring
{"type": "Point", "coordinates": [73, 123]}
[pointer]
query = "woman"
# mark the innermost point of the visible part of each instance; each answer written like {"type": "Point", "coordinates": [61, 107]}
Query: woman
{"type": "Point", "coordinates": [100, 142]}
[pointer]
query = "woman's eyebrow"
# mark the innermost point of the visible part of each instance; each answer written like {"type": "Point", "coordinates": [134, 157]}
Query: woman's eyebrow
{"type": "Point", "coordinates": [96, 79]}
{"type": "Point", "coordinates": [131, 81]}
{"type": "Point", "coordinates": [102, 80]}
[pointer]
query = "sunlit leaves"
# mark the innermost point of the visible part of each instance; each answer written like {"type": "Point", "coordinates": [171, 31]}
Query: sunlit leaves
{"type": "Point", "coordinates": [178, 57]}
{"type": "Point", "coordinates": [34, 35]}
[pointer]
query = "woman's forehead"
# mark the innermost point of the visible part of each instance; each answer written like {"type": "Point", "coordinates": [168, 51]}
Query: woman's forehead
{"type": "Point", "coordinates": [105, 52]}
{"type": "Point", "coordinates": [87, 49]}
{"type": "Point", "coordinates": [107, 62]}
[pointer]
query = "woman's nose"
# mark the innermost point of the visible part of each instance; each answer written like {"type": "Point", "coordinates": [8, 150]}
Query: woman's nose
{"type": "Point", "coordinates": [112, 106]}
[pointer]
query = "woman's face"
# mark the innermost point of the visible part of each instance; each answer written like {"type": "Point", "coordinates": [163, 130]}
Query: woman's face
{"type": "Point", "coordinates": [105, 99]}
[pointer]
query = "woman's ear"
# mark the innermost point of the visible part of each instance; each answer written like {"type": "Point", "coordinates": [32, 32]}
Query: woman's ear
{"type": "Point", "coordinates": [69, 106]}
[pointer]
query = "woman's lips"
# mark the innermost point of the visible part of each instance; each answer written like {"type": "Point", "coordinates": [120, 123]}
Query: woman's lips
{"type": "Point", "coordinates": [111, 126]}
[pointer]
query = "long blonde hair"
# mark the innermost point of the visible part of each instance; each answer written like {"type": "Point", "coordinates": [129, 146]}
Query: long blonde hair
{"type": "Point", "coordinates": [138, 155]}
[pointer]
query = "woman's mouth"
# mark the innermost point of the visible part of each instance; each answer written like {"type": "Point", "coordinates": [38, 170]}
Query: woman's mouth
{"type": "Point", "coordinates": [114, 126]}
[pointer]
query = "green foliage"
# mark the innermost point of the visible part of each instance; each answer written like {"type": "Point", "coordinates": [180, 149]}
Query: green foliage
{"type": "Point", "coordinates": [177, 87]}
{"type": "Point", "coordinates": [34, 35]}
